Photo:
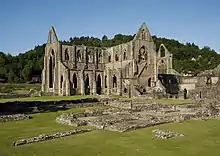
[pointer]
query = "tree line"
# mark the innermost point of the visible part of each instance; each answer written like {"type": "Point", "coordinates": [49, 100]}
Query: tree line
{"type": "Point", "coordinates": [186, 57]}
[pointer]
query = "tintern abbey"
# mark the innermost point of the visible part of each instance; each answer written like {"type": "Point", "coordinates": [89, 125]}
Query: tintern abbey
{"type": "Point", "coordinates": [130, 68]}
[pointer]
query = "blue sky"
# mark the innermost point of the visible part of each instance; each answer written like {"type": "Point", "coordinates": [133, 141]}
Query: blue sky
{"type": "Point", "coordinates": [25, 23]}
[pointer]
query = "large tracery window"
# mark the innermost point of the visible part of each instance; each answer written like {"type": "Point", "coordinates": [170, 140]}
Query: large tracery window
{"type": "Point", "coordinates": [162, 51]}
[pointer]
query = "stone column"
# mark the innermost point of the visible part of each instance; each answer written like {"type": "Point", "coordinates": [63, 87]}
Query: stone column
{"type": "Point", "coordinates": [119, 87]}
{"type": "Point", "coordinates": [109, 77]}
{"type": "Point", "coordinates": [67, 83]}
{"type": "Point", "coordinates": [94, 83]}
{"type": "Point", "coordinates": [82, 83]}
{"type": "Point", "coordinates": [155, 69]}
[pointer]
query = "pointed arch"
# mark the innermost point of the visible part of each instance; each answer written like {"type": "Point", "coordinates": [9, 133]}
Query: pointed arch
{"type": "Point", "coordinates": [87, 87]}
{"type": "Point", "coordinates": [109, 58]}
{"type": "Point", "coordinates": [125, 55]}
{"type": "Point", "coordinates": [114, 81]}
{"type": "Point", "coordinates": [79, 56]}
{"type": "Point", "coordinates": [66, 54]}
{"type": "Point", "coordinates": [74, 81]}
{"type": "Point", "coordinates": [149, 82]}
{"type": "Point", "coordinates": [143, 34]}
{"type": "Point", "coordinates": [100, 57]}
{"type": "Point", "coordinates": [51, 69]}
{"type": "Point", "coordinates": [116, 57]}
{"type": "Point", "coordinates": [162, 51]}
{"type": "Point", "coordinates": [98, 85]}
{"type": "Point", "coordinates": [61, 82]}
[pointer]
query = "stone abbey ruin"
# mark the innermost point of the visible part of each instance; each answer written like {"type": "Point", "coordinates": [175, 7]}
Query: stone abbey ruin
{"type": "Point", "coordinates": [130, 68]}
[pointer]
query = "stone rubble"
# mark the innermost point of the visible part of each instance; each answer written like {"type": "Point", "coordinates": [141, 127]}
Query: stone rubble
{"type": "Point", "coordinates": [141, 115]}
{"type": "Point", "coordinates": [14, 117]}
{"type": "Point", "coordinates": [162, 134]}
{"type": "Point", "coordinates": [43, 137]}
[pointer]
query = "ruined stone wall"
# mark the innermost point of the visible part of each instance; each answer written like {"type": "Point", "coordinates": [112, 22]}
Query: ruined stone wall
{"type": "Point", "coordinates": [79, 69]}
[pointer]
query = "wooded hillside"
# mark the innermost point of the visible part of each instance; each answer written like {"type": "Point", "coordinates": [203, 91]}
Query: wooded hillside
{"type": "Point", "coordinates": [186, 57]}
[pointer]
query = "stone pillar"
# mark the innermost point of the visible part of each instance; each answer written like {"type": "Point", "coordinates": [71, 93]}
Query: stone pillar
{"type": "Point", "coordinates": [155, 69]}
{"type": "Point", "coordinates": [109, 77]}
{"type": "Point", "coordinates": [119, 87]}
{"type": "Point", "coordinates": [93, 83]}
{"type": "Point", "coordinates": [67, 83]}
{"type": "Point", "coordinates": [82, 83]}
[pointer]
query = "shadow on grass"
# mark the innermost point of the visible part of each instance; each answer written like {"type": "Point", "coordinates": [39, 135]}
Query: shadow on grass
{"type": "Point", "coordinates": [30, 107]}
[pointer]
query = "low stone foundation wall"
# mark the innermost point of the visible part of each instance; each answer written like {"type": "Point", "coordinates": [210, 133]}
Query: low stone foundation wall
{"type": "Point", "coordinates": [14, 117]}
{"type": "Point", "coordinates": [162, 134]}
{"type": "Point", "coordinates": [44, 137]}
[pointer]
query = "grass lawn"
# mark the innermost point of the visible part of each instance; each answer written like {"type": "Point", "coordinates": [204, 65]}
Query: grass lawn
{"type": "Point", "coordinates": [49, 98]}
{"type": "Point", "coordinates": [202, 138]}
{"type": "Point", "coordinates": [18, 88]}
{"type": "Point", "coordinates": [173, 101]}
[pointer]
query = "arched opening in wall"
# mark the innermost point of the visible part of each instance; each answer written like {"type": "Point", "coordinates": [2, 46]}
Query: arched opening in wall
{"type": "Point", "coordinates": [98, 85]}
{"type": "Point", "coordinates": [87, 87]}
{"type": "Point", "coordinates": [106, 81]}
{"type": "Point", "coordinates": [66, 55]}
{"type": "Point", "coordinates": [109, 58]}
{"type": "Point", "coordinates": [74, 84]}
{"type": "Point", "coordinates": [100, 57]}
{"type": "Point", "coordinates": [149, 82]}
{"type": "Point", "coordinates": [143, 34]}
{"type": "Point", "coordinates": [114, 81]}
{"type": "Point", "coordinates": [51, 72]}
{"type": "Point", "coordinates": [116, 57]}
{"type": "Point", "coordinates": [142, 56]}
{"type": "Point", "coordinates": [74, 81]}
{"type": "Point", "coordinates": [124, 55]}
{"type": "Point", "coordinates": [162, 51]}
{"type": "Point", "coordinates": [90, 56]}
{"type": "Point", "coordinates": [125, 90]}
{"type": "Point", "coordinates": [79, 56]}
{"type": "Point", "coordinates": [61, 82]}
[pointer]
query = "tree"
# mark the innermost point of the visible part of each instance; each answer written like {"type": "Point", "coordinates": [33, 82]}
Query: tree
{"type": "Point", "coordinates": [104, 38]}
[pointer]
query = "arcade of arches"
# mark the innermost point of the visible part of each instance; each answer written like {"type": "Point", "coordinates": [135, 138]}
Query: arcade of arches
{"type": "Point", "coordinates": [119, 70]}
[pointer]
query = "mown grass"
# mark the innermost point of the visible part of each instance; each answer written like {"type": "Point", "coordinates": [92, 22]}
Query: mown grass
{"type": "Point", "coordinates": [202, 138]}
{"type": "Point", "coordinates": [173, 101]}
{"type": "Point", "coordinates": [49, 98]}
{"type": "Point", "coordinates": [18, 88]}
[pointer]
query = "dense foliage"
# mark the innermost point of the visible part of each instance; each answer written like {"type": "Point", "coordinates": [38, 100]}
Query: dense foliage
{"type": "Point", "coordinates": [186, 57]}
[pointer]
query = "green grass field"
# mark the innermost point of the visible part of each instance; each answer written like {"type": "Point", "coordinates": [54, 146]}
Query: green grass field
{"type": "Point", "coordinates": [18, 88]}
{"type": "Point", "coordinates": [173, 101]}
{"type": "Point", "coordinates": [202, 138]}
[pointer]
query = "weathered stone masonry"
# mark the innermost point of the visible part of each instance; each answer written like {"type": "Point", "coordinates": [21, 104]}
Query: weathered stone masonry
{"type": "Point", "coordinates": [123, 69]}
